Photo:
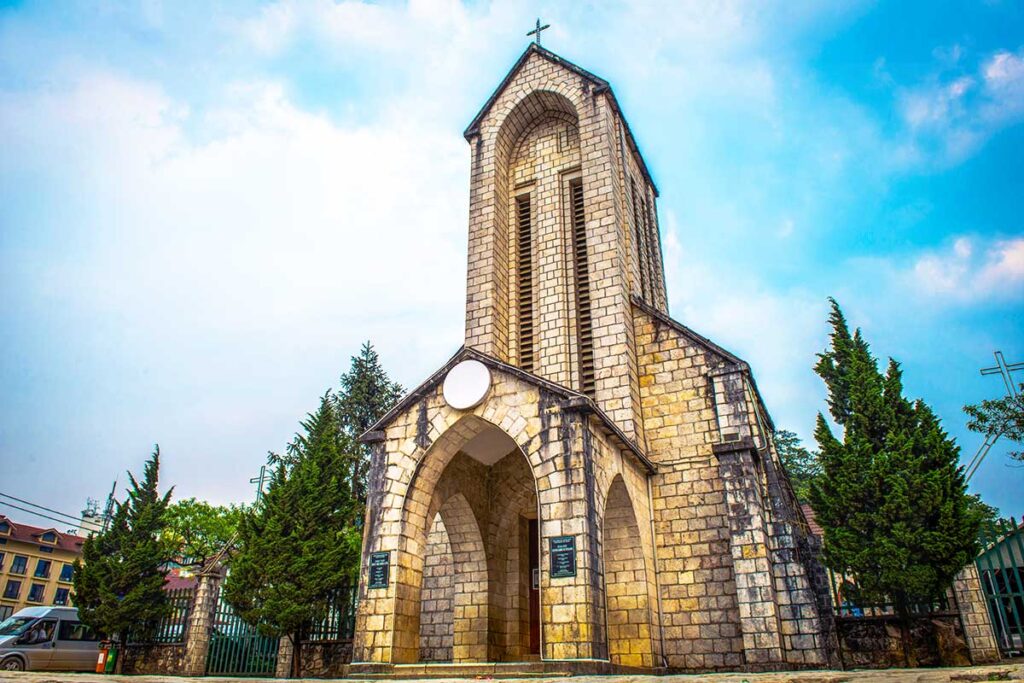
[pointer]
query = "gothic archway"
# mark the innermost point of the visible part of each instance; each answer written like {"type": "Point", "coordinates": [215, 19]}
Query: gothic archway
{"type": "Point", "coordinates": [463, 572]}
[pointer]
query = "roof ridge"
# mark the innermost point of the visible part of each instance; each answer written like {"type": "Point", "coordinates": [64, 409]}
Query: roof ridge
{"type": "Point", "coordinates": [689, 332]}
{"type": "Point", "coordinates": [600, 86]}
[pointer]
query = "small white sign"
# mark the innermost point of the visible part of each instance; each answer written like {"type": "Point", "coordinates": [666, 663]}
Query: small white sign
{"type": "Point", "coordinates": [467, 384]}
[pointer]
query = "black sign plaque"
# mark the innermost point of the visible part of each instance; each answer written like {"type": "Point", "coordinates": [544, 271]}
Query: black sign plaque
{"type": "Point", "coordinates": [563, 556]}
{"type": "Point", "coordinates": [380, 569]}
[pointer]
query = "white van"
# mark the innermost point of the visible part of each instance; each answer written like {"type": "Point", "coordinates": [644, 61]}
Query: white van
{"type": "Point", "coordinates": [47, 639]}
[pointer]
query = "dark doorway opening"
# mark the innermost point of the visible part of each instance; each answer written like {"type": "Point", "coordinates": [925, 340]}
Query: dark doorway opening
{"type": "Point", "coordinates": [534, 545]}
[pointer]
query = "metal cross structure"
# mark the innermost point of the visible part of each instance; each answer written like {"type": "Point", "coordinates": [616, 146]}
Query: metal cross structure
{"type": "Point", "coordinates": [1006, 370]}
{"type": "Point", "coordinates": [259, 482]}
{"type": "Point", "coordinates": [536, 31]}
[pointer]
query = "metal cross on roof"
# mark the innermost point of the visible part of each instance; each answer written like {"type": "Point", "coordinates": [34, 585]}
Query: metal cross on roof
{"type": "Point", "coordinates": [536, 31]}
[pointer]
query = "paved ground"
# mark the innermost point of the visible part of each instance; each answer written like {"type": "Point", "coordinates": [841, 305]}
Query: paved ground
{"type": "Point", "coordinates": [1005, 672]}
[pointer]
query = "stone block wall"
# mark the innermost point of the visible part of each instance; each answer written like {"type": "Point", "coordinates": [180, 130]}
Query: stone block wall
{"type": "Point", "coordinates": [876, 642]}
{"type": "Point", "coordinates": [323, 659]}
{"type": "Point", "coordinates": [736, 587]}
{"type": "Point", "coordinates": [436, 615]}
{"type": "Point", "coordinates": [164, 659]}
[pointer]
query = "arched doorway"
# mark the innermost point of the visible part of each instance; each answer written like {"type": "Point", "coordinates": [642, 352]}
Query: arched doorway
{"type": "Point", "coordinates": [625, 582]}
{"type": "Point", "coordinates": [466, 589]}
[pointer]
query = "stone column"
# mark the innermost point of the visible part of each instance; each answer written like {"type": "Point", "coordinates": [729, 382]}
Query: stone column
{"type": "Point", "coordinates": [970, 600]}
{"type": "Point", "coordinates": [285, 652]}
{"type": "Point", "coordinates": [200, 622]}
{"type": "Point", "coordinates": [572, 608]}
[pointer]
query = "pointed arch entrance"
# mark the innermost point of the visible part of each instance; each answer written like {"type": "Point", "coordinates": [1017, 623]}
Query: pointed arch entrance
{"type": "Point", "coordinates": [465, 581]}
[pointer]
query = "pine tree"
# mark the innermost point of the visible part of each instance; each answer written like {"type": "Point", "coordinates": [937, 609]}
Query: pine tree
{"type": "Point", "coordinates": [800, 464]}
{"type": "Point", "coordinates": [367, 393]}
{"type": "Point", "coordinates": [120, 578]}
{"type": "Point", "coordinates": [891, 496]}
{"type": "Point", "coordinates": [298, 547]}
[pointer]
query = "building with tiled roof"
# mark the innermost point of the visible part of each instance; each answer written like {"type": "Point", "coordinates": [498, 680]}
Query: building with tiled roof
{"type": "Point", "coordinates": [36, 565]}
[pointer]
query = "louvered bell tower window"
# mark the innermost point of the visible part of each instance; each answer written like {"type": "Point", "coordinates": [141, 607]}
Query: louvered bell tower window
{"type": "Point", "coordinates": [524, 258]}
{"type": "Point", "coordinates": [584, 322]}
{"type": "Point", "coordinates": [641, 243]}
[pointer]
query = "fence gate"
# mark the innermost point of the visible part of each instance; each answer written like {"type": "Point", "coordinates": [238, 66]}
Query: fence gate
{"type": "Point", "coordinates": [1001, 568]}
{"type": "Point", "coordinates": [238, 649]}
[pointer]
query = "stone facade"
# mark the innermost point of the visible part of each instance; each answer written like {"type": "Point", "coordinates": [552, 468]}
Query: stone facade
{"type": "Point", "coordinates": [614, 498]}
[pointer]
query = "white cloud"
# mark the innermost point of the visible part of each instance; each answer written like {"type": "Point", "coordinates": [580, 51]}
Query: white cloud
{"type": "Point", "coordinates": [948, 118]}
{"type": "Point", "coordinates": [971, 270]}
{"type": "Point", "coordinates": [1004, 85]}
{"type": "Point", "coordinates": [265, 247]}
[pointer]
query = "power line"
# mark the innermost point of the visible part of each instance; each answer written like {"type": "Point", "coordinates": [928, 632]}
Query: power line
{"type": "Point", "coordinates": [41, 507]}
{"type": "Point", "coordinates": [67, 519]}
{"type": "Point", "coordinates": [40, 514]}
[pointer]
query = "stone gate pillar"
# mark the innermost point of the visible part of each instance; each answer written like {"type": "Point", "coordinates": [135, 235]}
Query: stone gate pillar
{"type": "Point", "coordinates": [970, 600]}
{"type": "Point", "coordinates": [200, 622]}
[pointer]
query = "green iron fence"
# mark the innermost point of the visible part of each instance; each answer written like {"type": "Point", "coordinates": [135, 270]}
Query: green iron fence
{"type": "Point", "coordinates": [1001, 569]}
{"type": "Point", "coordinates": [238, 649]}
{"type": "Point", "coordinates": [172, 627]}
{"type": "Point", "coordinates": [340, 622]}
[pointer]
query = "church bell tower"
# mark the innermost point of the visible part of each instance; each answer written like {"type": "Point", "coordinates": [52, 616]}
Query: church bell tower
{"type": "Point", "coordinates": [563, 233]}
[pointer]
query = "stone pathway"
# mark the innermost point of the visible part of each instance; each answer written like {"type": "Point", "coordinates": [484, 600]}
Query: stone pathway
{"type": "Point", "coordinates": [1011, 671]}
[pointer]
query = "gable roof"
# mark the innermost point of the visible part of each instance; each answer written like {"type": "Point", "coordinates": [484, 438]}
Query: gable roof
{"type": "Point", "coordinates": [599, 86]}
{"type": "Point", "coordinates": [576, 399]}
{"type": "Point", "coordinates": [693, 336]}
{"type": "Point", "coordinates": [31, 534]}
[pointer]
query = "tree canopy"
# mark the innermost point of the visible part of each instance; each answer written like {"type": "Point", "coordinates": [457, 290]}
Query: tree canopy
{"type": "Point", "coordinates": [800, 464]}
{"type": "Point", "coordinates": [367, 393]}
{"type": "Point", "coordinates": [891, 495]}
{"type": "Point", "coordinates": [299, 547]}
{"type": "Point", "coordinates": [118, 583]}
{"type": "Point", "coordinates": [1003, 417]}
{"type": "Point", "coordinates": [197, 531]}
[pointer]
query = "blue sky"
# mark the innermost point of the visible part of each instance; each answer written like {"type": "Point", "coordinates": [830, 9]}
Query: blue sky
{"type": "Point", "coordinates": [207, 209]}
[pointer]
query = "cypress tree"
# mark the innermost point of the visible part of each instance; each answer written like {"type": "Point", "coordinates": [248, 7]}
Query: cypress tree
{"type": "Point", "coordinates": [891, 496]}
{"type": "Point", "coordinates": [367, 393]}
{"type": "Point", "coordinates": [297, 546]}
{"type": "Point", "coordinates": [800, 464]}
{"type": "Point", "coordinates": [118, 585]}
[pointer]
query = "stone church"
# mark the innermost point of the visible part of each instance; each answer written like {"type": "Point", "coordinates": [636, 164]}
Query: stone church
{"type": "Point", "coordinates": [588, 485]}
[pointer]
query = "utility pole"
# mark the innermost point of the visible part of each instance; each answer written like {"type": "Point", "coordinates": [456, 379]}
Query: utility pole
{"type": "Point", "coordinates": [1005, 370]}
{"type": "Point", "coordinates": [108, 509]}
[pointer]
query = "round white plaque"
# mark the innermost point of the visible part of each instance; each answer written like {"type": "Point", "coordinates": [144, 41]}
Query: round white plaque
{"type": "Point", "coordinates": [466, 384]}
